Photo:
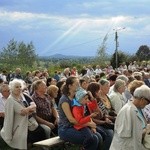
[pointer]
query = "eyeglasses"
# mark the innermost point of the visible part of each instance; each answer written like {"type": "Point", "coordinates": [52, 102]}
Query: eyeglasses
{"type": "Point", "coordinates": [148, 101]}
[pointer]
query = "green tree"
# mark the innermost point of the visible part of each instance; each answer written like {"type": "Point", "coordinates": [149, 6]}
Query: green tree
{"type": "Point", "coordinates": [143, 53]}
{"type": "Point", "coordinates": [122, 57]}
{"type": "Point", "coordinates": [9, 54]}
{"type": "Point", "coordinates": [26, 54]}
{"type": "Point", "coordinates": [15, 54]}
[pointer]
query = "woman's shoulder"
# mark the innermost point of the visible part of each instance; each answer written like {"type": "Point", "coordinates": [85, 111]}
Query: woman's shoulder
{"type": "Point", "coordinates": [10, 98]}
{"type": "Point", "coordinates": [64, 98]}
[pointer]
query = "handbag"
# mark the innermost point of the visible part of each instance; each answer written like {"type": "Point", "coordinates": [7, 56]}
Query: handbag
{"type": "Point", "coordinates": [32, 124]}
{"type": "Point", "coordinates": [146, 140]}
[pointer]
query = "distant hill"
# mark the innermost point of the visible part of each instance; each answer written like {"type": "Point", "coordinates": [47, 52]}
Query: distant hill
{"type": "Point", "coordinates": [60, 56]}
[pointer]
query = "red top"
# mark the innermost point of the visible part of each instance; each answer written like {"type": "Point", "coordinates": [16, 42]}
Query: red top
{"type": "Point", "coordinates": [78, 113]}
{"type": "Point", "coordinates": [92, 106]}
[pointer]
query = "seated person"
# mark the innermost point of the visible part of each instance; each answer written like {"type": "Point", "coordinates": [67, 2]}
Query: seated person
{"type": "Point", "coordinates": [79, 103]}
{"type": "Point", "coordinates": [46, 112]}
{"type": "Point", "coordinates": [4, 93]}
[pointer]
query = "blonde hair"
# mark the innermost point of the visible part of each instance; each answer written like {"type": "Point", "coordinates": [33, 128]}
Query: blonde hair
{"type": "Point", "coordinates": [51, 89]}
{"type": "Point", "coordinates": [134, 84]}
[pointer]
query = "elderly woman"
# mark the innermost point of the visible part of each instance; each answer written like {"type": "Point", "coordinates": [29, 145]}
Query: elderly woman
{"type": "Point", "coordinates": [133, 85]}
{"type": "Point", "coordinates": [116, 96]}
{"type": "Point", "coordinates": [130, 122]}
{"type": "Point", "coordinates": [104, 101]}
{"type": "Point", "coordinates": [52, 91]}
{"type": "Point", "coordinates": [17, 111]}
{"type": "Point", "coordinates": [15, 129]}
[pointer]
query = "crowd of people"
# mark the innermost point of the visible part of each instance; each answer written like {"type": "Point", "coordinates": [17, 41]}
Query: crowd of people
{"type": "Point", "coordinates": [98, 109]}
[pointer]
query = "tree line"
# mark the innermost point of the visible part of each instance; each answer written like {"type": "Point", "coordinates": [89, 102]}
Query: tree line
{"type": "Point", "coordinates": [24, 55]}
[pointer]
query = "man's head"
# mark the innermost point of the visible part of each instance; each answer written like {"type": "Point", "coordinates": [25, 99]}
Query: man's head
{"type": "Point", "coordinates": [4, 90]}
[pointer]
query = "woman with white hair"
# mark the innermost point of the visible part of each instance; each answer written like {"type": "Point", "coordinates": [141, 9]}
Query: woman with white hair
{"type": "Point", "coordinates": [15, 130]}
{"type": "Point", "coordinates": [130, 124]}
{"type": "Point", "coordinates": [116, 96]}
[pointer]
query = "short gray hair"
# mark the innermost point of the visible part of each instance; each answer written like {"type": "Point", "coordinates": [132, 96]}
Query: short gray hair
{"type": "Point", "coordinates": [2, 87]}
{"type": "Point", "coordinates": [103, 81]}
{"type": "Point", "coordinates": [118, 84]}
{"type": "Point", "coordinates": [142, 92]}
{"type": "Point", "coordinates": [123, 77]}
{"type": "Point", "coordinates": [13, 83]}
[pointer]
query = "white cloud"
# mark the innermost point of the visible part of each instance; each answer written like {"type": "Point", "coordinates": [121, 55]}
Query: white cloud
{"type": "Point", "coordinates": [60, 31]}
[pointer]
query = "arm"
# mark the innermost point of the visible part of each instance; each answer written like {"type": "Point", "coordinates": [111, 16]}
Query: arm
{"type": "Point", "coordinates": [27, 111]}
{"type": "Point", "coordinates": [78, 113]}
{"type": "Point", "coordinates": [42, 121]}
{"type": "Point", "coordinates": [55, 114]}
{"type": "Point", "coordinates": [9, 119]}
{"type": "Point", "coordinates": [66, 108]}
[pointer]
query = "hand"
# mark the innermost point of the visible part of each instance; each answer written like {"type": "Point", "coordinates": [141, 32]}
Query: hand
{"type": "Point", "coordinates": [51, 125]}
{"type": "Point", "coordinates": [94, 130]}
{"type": "Point", "coordinates": [32, 106]}
{"type": "Point", "coordinates": [24, 111]}
{"type": "Point", "coordinates": [94, 114]}
{"type": "Point", "coordinates": [27, 111]}
{"type": "Point", "coordinates": [148, 128]}
{"type": "Point", "coordinates": [92, 124]}
{"type": "Point", "coordinates": [108, 121]}
{"type": "Point", "coordinates": [56, 121]}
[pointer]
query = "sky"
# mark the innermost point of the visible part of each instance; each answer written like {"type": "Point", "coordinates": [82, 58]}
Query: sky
{"type": "Point", "coordinates": [76, 27]}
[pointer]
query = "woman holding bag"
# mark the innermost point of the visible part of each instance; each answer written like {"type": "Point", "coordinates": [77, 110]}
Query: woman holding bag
{"type": "Point", "coordinates": [15, 129]}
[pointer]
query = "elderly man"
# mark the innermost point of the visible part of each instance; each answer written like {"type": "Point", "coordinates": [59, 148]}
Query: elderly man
{"type": "Point", "coordinates": [46, 112]}
{"type": "Point", "coordinates": [130, 125]}
{"type": "Point", "coordinates": [4, 93]}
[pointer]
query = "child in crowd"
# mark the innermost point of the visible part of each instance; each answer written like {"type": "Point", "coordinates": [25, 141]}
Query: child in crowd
{"type": "Point", "coordinates": [78, 110]}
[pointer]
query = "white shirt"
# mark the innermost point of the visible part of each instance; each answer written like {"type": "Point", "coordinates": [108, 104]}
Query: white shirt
{"type": "Point", "coordinates": [2, 103]}
{"type": "Point", "coordinates": [98, 71]}
{"type": "Point", "coordinates": [117, 101]}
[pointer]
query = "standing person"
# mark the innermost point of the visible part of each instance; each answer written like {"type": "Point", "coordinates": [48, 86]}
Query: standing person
{"type": "Point", "coordinates": [83, 71]}
{"type": "Point", "coordinates": [4, 91]}
{"type": "Point", "coordinates": [66, 131]}
{"type": "Point", "coordinates": [17, 74]}
{"type": "Point", "coordinates": [130, 125]}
